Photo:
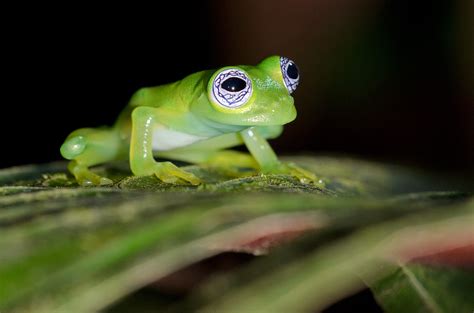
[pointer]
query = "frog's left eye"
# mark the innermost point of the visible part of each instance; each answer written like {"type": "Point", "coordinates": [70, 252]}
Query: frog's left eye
{"type": "Point", "coordinates": [231, 88]}
{"type": "Point", "coordinates": [291, 74]}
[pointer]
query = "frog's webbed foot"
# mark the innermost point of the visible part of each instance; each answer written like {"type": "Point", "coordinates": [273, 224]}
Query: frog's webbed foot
{"type": "Point", "coordinates": [292, 169]}
{"type": "Point", "coordinates": [87, 147]}
{"type": "Point", "coordinates": [171, 174]}
{"type": "Point", "coordinates": [86, 177]}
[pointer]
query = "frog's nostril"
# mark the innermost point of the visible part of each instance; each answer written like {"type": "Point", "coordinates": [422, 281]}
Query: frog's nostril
{"type": "Point", "coordinates": [72, 147]}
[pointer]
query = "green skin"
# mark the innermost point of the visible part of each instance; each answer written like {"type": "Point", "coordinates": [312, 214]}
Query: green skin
{"type": "Point", "coordinates": [186, 107]}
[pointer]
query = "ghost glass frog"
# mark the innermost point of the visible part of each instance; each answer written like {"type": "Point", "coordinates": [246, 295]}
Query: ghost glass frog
{"type": "Point", "coordinates": [196, 120]}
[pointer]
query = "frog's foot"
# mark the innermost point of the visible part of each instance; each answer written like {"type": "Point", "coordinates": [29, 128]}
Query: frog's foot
{"type": "Point", "coordinates": [233, 163]}
{"type": "Point", "coordinates": [171, 174]}
{"type": "Point", "coordinates": [87, 178]}
{"type": "Point", "coordinates": [304, 176]}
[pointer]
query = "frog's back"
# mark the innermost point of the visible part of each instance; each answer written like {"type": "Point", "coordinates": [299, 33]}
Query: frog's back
{"type": "Point", "coordinates": [175, 96]}
{"type": "Point", "coordinates": [178, 94]}
{"type": "Point", "coordinates": [153, 96]}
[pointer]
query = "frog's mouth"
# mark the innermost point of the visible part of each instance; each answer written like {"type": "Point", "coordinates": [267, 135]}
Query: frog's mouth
{"type": "Point", "coordinates": [267, 119]}
{"type": "Point", "coordinates": [258, 118]}
{"type": "Point", "coordinates": [272, 114]}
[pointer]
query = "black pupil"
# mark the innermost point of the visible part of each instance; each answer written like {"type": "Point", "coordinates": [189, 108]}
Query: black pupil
{"type": "Point", "coordinates": [292, 71]}
{"type": "Point", "coordinates": [234, 84]}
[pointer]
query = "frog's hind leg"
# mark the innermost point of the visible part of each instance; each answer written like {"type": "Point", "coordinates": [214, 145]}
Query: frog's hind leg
{"type": "Point", "coordinates": [214, 153]}
{"type": "Point", "coordinates": [223, 159]}
{"type": "Point", "coordinates": [88, 147]}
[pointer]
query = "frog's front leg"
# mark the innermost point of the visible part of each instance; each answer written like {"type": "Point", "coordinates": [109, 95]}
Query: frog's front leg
{"type": "Point", "coordinates": [87, 147]}
{"type": "Point", "coordinates": [142, 162]}
{"type": "Point", "coordinates": [267, 159]}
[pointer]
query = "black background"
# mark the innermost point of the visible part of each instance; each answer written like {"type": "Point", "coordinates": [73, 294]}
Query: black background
{"type": "Point", "coordinates": [78, 68]}
{"type": "Point", "coordinates": [66, 68]}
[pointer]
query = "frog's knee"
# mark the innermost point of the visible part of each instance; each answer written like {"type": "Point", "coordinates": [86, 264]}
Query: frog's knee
{"type": "Point", "coordinates": [141, 97]}
{"type": "Point", "coordinates": [73, 147]}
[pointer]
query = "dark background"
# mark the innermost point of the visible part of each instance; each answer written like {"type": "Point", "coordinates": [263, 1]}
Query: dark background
{"type": "Point", "coordinates": [384, 80]}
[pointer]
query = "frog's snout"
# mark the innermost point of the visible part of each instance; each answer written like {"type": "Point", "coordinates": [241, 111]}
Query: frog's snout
{"type": "Point", "coordinates": [72, 147]}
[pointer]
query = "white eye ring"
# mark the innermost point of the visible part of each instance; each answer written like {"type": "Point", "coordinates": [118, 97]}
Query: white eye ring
{"type": "Point", "coordinates": [231, 88]}
{"type": "Point", "coordinates": [290, 73]}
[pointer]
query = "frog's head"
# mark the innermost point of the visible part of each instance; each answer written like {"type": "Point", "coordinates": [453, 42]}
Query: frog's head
{"type": "Point", "coordinates": [251, 95]}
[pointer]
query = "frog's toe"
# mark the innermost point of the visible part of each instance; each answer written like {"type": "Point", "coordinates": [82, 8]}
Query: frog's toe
{"type": "Point", "coordinates": [305, 176]}
{"type": "Point", "coordinates": [179, 178]}
{"type": "Point", "coordinates": [192, 179]}
{"type": "Point", "coordinates": [188, 177]}
{"type": "Point", "coordinates": [171, 174]}
{"type": "Point", "coordinates": [104, 181]}
{"type": "Point", "coordinates": [301, 173]}
{"type": "Point", "coordinates": [90, 180]}
{"type": "Point", "coordinates": [85, 182]}
{"type": "Point", "coordinates": [171, 179]}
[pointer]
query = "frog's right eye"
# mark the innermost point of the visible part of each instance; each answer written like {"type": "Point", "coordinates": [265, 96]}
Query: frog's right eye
{"type": "Point", "coordinates": [231, 88]}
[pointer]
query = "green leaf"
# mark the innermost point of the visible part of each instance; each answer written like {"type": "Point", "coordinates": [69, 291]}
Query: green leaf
{"type": "Point", "coordinates": [72, 249]}
{"type": "Point", "coordinates": [317, 279]}
{"type": "Point", "coordinates": [422, 288]}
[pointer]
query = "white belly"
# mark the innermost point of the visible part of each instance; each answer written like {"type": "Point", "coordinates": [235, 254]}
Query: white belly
{"type": "Point", "coordinates": [165, 139]}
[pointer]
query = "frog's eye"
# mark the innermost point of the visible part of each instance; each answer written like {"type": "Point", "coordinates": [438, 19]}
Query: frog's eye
{"type": "Point", "coordinates": [291, 75]}
{"type": "Point", "coordinates": [231, 88]}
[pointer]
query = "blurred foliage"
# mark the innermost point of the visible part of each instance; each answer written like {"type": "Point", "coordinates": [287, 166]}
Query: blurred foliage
{"type": "Point", "coordinates": [70, 249]}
